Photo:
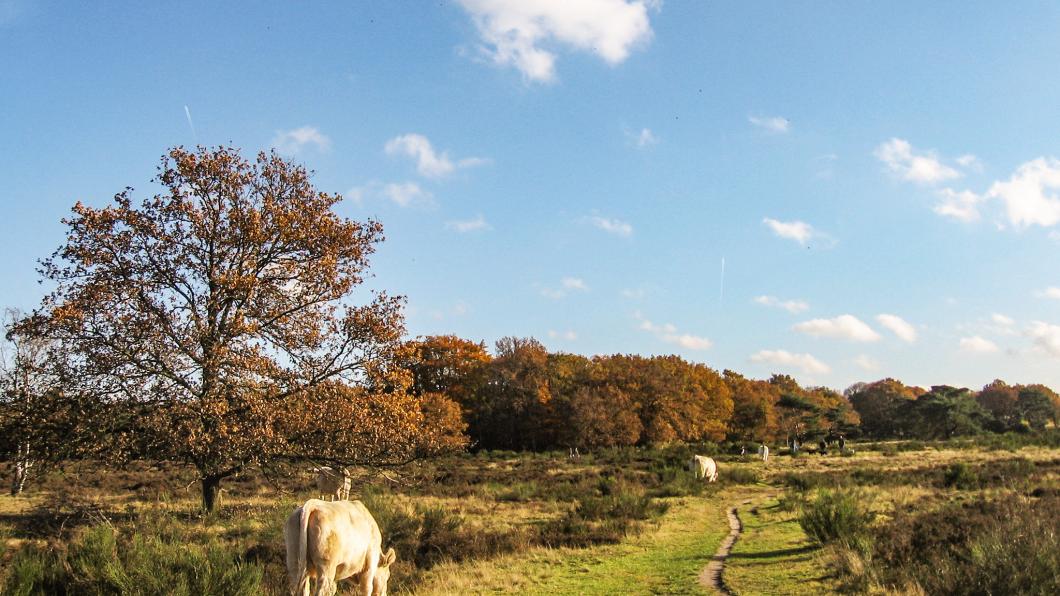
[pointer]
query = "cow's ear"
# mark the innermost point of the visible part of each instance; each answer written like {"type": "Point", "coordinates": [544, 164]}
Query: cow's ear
{"type": "Point", "coordinates": [389, 558]}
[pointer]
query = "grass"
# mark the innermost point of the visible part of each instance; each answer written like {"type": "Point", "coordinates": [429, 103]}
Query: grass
{"type": "Point", "coordinates": [773, 554]}
{"type": "Point", "coordinates": [665, 559]}
{"type": "Point", "coordinates": [615, 521]}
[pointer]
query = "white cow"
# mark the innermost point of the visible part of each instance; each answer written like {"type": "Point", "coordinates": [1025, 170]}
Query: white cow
{"type": "Point", "coordinates": [763, 452]}
{"type": "Point", "coordinates": [703, 467]}
{"type": "Point", "coordinates": [333, 541]}
{"type": "Point", "coordinates": [333, 484]}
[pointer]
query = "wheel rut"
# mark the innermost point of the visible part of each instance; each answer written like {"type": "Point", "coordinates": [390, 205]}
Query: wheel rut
{"type": "Point", "coordinates": [711, 576]}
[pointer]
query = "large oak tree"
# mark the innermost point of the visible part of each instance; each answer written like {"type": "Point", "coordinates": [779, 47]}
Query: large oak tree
{"type": "Point", "coordinates": [218, 314]}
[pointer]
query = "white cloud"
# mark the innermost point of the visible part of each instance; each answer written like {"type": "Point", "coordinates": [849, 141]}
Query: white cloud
{"type": "Point", "coordinates": [429, 163]}
{"type": "Point", "coordinates": [925, 168]}
{"type": "Point", "coordinates": [774, 124]}
{"type": "Point", "coordinates": [634, 293]}
{"type": "Point", "coordinates": [1003, 320]}
{"type": "Point", "coordinates": [804, 362]}
{"type": "Point", "coordinates": [798, 231]}
{"type": "Point", "coordinates": [479, 223]}
{"type": "Point", "coordinates": [1052, 292]}
{"type": "Point", "coordinates": [565, 335]}
{"type": "Point", "coordinates": [898, 326]}
{"type": "Point", "coordinates": [792, 306]}
{"type": "Point", "coordinates": [867, 363]}
{"type": "Point", "coordinates": [643, 139]}
{"type": "Point", "coordinates": [846, 327]}
{"type": "Point", "coordinates": [567, 285]}
{"type": "Point", "coordinates": [690, 342]}
{"type": "Point", "coordinates": [963, 205]}
{"type": "Point", "coordinates": [292, 142]}
{"type": "Point", "coordinates": [575, 283]}
{"type": "Point", "coordinates": [406, 194]}
{"type": "Point", "coordinates": [669, 334]}
{"type": "Point", "coordinates": [1030, 195]}
{"type": "Point", "coordinates": [1046, 337]}
{"type": "Point", "coordinates": [977, 345]}
{"type": "Point", "coordinates": [970, 162]}
{"type": "Point", "coordinates": [516, 32]}
{"type": "Point", "coordinates": [612, 226]}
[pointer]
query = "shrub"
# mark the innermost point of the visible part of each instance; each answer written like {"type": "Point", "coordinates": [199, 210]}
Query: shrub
{"type": "Point", "coordinates": [960, 476]}
{"type": "Point", "coordinates": [742, 475]}
{"type": "Point", "coordinates": [1006, 546]}
{"type": "Point", "coordinates": [99, 563]}
{"type": "Point", "coordinates": [836, 516]}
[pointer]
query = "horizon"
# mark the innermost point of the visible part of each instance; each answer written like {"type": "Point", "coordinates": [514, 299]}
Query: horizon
{"type": "Point", "coordinates": [840, 193]}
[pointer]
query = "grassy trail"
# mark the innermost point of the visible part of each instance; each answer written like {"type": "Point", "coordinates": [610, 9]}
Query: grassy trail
{"type": "Point", "coordinates": [773, 554]}
{"type": "Point", "coordinates": [665, 559]}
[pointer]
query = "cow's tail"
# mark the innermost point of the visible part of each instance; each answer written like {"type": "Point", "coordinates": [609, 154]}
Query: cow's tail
{"type": "Point", "coordinates": [303, 548]}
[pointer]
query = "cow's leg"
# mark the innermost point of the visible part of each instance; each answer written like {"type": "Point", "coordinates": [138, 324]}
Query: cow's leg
{"type": "Point", "coordinates": [364, 583]}
{"type": "Point", "coordinates": [326, 584]}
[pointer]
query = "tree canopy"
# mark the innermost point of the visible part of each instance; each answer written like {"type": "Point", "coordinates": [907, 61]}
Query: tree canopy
{"type": "Point", "coordinates": [218, 307]}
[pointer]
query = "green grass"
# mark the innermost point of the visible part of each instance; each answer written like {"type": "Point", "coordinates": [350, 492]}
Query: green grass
{"type": "Point", "coordinates": [665, 559]}
{"type": "Point", "coordinates": [773, 555]}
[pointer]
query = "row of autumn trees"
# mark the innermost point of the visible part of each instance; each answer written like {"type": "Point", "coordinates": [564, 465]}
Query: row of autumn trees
{"type": "Point", "coordinates": [523, 397]}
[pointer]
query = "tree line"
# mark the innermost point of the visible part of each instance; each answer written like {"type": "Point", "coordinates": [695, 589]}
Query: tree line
{"type": "Point", "coordinates": [523, 397]}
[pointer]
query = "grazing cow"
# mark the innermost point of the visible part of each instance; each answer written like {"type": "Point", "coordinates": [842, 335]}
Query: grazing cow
{"type": "Point", "coordinates": [763, 452]}
{"type": "Point", "coordinates": [333, 541]}
{"type": "Point", "coordinates": [703, 467]}
{"type": "Point", "coordinates": [333, 484]}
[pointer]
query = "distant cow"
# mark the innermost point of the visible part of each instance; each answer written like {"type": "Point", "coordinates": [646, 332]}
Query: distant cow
{"type": "Point", "coordinates": [763, 452]}
{"type": "Point", "coordinates": [333, 541]}
{"type": "Point", "coordinates": [703, 467]}
{"type": "Point", "coordinates": [333, 484]}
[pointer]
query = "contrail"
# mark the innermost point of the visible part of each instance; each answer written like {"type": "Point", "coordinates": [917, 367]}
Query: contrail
{"type": "Point", "coordinates": [187, 113]}
{"type": "Point", "coordinates": [721, 294]}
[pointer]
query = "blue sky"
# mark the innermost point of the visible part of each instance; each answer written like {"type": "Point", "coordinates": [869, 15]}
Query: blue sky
{"type": "Point", "coordinates": [881, 179]}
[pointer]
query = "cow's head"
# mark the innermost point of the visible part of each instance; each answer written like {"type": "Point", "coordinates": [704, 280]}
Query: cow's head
{"type": "Point", "coordinates": [382, 574]}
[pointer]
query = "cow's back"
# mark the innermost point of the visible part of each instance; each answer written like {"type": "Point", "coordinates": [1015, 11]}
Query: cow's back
{"type": "Point", "coordinates": [343, 535]}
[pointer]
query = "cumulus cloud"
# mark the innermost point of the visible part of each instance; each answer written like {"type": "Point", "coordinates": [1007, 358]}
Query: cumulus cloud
{"type": "Point", "coordinates": [898, 326]}
{"type": "Point", "coordinates": [1003, 320]}
{"type": "Point", "coordinates": [867, 363]}
{"type": "Point", "coordinates": [783, 358]}
{"type": "Point", "coordinates": [792, 306]}
{"type": "Point", "coordinates": [429, 162]}
{"type": "Point", "coordinates": [962, 206]}
{"type": "Point", "coordinates": [407, 194]}
{"type": "Point", "coordinates": [970, 162]}
{"type": "Point", "coordinates": [1031, 194]}
{"type": "Point", "coordinates": [923, 167]}
{"type": "Point", "coordinates": [525, 34]}
{"type": "Point", "coordinates": [846, 327]}
{"type": "Point", "coordinates": [977, 345]}
{"type": "Point", "coordinates": [643, 139]}
{"type": "Point", "coordinates": [612, 226]}
{"type": "Point", "coordinates": [567, 285]}
{"type": "Point", "coordinates": [774, 124]}
{"type": "Point", "coordinates": [1046, 337]}
{"type": "Point", "coordinates": [477, 224]}
{"type": "Point", "coordinates": [669, 334]}
{"type": "Point", "coordinates": [798, 231]}
{"type": "Point", "coordinates": [293, 142]}
{"type": "Point", "coordinates": [564, 335]}
{"type": "Point", "coordinates": [1051, 292]}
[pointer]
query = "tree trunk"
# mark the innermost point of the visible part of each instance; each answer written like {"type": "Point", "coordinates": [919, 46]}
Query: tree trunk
{"type": "Point", "coordinates": [211, 491]}
{"type": "Point", "coordinates": [22, 465]}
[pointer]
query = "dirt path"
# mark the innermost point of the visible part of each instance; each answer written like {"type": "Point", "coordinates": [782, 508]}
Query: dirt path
{"type": "Point", "coordinates": [710, 577]}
